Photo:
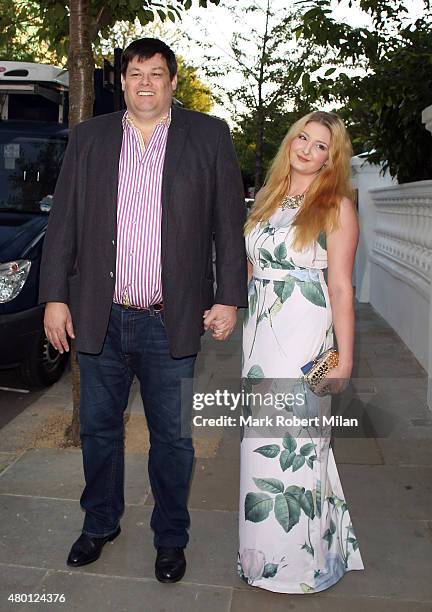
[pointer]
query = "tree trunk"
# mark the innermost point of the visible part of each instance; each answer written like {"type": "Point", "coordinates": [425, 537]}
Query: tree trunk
{"type": "Point", "coordinates": [80, 62]}
{"type": "Point", "coordinates": [259, 154]}
{"type": "Point", "coordinates": [260, 115]}
{"type": "Point", "coordinates": [81, 97]}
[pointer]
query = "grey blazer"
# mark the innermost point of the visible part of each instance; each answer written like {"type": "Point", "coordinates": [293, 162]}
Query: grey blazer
{"type": "Point", "coordinates": [202, 194]}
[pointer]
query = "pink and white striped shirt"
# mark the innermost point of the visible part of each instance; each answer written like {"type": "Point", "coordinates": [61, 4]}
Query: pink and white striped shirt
{"type": "Point", "coordinates": [139, 212]}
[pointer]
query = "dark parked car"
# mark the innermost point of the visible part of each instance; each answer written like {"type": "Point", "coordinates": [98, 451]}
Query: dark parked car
{"type": "Point", "coordinates": [31, 156]}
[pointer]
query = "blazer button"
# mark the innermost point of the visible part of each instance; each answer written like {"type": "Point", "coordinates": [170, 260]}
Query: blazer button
{"type": "Point", "coordinates": [113, 242]}
{"type": "Point", "coordinates": [112, 274]}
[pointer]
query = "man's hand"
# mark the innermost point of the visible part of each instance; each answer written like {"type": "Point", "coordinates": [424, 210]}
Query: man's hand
{"type": "Point", "coordinates": [221, 319]}
{"type": "Point", "coordinates": [58, 323]}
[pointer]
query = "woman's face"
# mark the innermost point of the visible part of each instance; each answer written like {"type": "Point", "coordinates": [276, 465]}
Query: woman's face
{"type": "Point", "coordinates": [310, 149]}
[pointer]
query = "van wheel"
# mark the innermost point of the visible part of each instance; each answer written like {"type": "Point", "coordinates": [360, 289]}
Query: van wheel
{"type": "Point", "coordinates": [44, 366]}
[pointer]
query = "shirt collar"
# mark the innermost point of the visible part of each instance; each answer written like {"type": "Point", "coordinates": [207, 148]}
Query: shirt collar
{"type": "Point", "coordinates": [127, 120]}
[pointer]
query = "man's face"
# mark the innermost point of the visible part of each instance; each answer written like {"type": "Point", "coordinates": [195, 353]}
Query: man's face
{"type": "Point", "coordinates": [148, 88]}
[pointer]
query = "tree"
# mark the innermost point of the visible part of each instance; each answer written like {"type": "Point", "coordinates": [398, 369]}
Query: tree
{"type": "Point", "coordinates": [274, 129]}
{"type": "Point", "coordinates": [17, 33]}
{"type": "Point", "coordinates": [263, 59]}
{"type": "Point", "coordinates": [381, 107]}
{"type": "Point", "coordinates": [191, 91]}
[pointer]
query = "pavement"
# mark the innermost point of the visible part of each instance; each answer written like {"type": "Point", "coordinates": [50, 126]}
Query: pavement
{"type": "Point", "coordinates": [386, 479]}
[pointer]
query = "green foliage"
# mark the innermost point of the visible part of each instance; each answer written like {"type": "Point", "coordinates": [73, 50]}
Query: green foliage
{"type": "Point", "coordinates": [45, 23]}
{"type": "Point", "coordinates": [191, 91]}
{"type": "Point", "coordinates": [382, 109]}
{"type": "Point", "coordinates": [19, 27]}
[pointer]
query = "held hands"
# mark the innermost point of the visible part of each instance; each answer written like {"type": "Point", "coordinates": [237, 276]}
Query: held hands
{"type": "Point", "coordinates": [335, 382]}
{"type": "Point", "coordinates": [221, 319]}
{"type": "Point", "coordinates": [58, 325]}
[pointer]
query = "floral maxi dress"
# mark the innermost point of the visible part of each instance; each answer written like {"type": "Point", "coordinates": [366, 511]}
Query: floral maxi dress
{"type": "Point", "coordinates": [296, 535]}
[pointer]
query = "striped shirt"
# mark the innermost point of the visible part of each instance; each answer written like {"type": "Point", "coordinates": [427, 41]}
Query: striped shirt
{"type": "Point", "coordinates": [139, 212]}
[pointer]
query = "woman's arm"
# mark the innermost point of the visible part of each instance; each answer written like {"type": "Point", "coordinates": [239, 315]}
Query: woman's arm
{"type": "Point", "coordinates": [341, 249]}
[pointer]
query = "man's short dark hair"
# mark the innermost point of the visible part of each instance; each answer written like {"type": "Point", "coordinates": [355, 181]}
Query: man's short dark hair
{"type": "Point", "coordinates": [145, 48]}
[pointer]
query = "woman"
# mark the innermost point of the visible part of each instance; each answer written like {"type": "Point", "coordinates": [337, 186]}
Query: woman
{"type": "Point", "coordinates": [296, 534]}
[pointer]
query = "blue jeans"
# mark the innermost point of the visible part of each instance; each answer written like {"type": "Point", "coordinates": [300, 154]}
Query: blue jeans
{"type": "Point", "coordinates": [135, 343]}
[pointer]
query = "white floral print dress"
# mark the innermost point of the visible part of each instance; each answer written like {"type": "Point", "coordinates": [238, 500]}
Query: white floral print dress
{"type": "Point", "coordinates": [296, 534]}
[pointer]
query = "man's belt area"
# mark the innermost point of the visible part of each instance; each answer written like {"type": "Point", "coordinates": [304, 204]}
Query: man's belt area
{"type": "Point", "coordinates": [152, 308]}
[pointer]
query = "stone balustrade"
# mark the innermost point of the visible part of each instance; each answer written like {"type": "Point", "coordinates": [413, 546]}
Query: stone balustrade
{"type": "Point", "coordinates": [403, 233]}
{"type": "Point", "coordinates": [401, 264]}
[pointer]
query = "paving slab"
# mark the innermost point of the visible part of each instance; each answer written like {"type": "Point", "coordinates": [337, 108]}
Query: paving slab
{"type": "Point", "coordinates": [58, 473]}
{"type": "Point", "coordinates": [362, 451]}
{"type": "Point", "coordinates": [362, 368]}
{"type": "Point", "coordinates": [40, 532]}
{"type": "Point", "coordinates": [214, 365]}
{"type": "Point", "coordinates": [415, 430]}
{"type": "Point", "coordinates": [215, 485]}
{"type": "Point", "coordinates": [17, 580]}
{"type": "Point", "coordinates": [405, 452]}
{"type": "Point", "coordinates": [402, 383]}
{"type": "Point", "coordinates": [384, 414]}
{"type": "Point", "coordinates": [409, 367]}
{"type": "Point", "coordinates": [7, 459]}
{"type": "Point", "coordinates": [398, 351]}
{"type": "Point", "coordinates": [87, 592]}
{"type": "Point", "coordinates": [382, 491]}
{"type": "Point", "coordinates": [372, 337]}
{"type": "Point", "coordinates": [397, 559]}
{"type": "Point", "coordinates": [212, 347]}
{"type": "Point", "coordinates": [402, 400]}
{"type": "Point", "coordinates": [211, 553]}
{"type": "Point", "coordinates": [62, 388]}
{"type": "Point", "coordinates": [135, 404]}
{"type": "Point", "coordinates": [256, 600]}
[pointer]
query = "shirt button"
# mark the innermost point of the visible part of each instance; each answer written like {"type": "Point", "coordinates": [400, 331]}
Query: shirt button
{"type": "Point", "coordinates": [112, 274]}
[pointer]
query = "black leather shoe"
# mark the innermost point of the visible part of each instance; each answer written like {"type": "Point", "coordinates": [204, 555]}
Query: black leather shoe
{"type": "Point", "coordinates": [170, 564]}
{"type": "Point", "coordinates": [87, 549]}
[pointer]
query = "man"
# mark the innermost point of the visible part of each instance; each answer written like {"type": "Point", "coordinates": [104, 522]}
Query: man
{"type": "Point", "coordinates": [127, 270]}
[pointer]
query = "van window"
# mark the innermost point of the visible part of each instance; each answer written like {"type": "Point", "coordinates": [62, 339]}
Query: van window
{"type": "Point", "coordinates": [29, 167]}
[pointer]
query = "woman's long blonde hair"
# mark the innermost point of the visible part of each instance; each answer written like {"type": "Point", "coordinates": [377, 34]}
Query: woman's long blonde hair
{"type": "Point", "coordinates": [320, 209]}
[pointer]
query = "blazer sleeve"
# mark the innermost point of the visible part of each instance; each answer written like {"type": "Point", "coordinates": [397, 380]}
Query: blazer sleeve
{"type": "Point", "coordinates": [228, 219]}
{"type": "Point", "coordinates": [59, 250]}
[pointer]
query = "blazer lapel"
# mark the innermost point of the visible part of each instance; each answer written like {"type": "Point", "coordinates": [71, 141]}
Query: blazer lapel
{"type": "Point", "coordinates": [175, 142]}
